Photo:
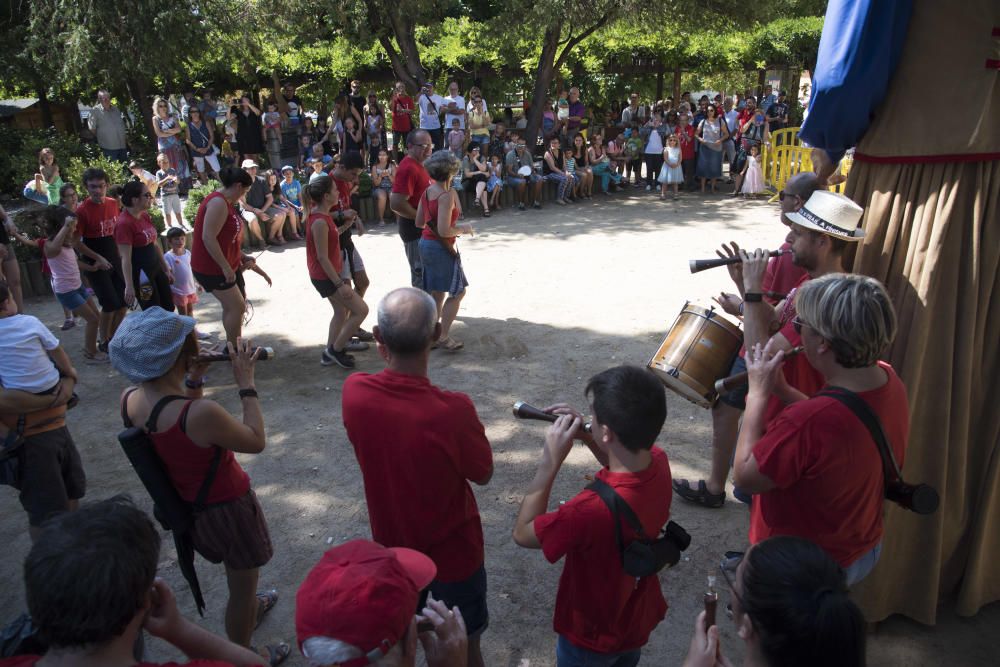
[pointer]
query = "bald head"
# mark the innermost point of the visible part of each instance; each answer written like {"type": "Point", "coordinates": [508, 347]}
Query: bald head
{"type": "Point", "coordinates": [406, 321]}
{"type": "Point", "coordinates": [803, 184]}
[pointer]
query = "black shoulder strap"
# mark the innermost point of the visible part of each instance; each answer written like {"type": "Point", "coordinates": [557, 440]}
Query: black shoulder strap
{"type": "Point", "coordinates": [158, 408]}
{"type": "Point", "coordinates": [619, 508]}
{"type": "Point", "coordinates": [125, 418]}
{"type": "Point", "coordinates": [206, 485]}
{"type": "Point", "coordinates": [861, 410]}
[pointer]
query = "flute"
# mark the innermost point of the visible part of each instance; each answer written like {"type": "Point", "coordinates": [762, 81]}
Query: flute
{"type": "Point", "coordinates": [697, 265]}
{"type": "Point", "coordinates": [524, 410]}
{"type": "Point", "coordinates": [739, 379]}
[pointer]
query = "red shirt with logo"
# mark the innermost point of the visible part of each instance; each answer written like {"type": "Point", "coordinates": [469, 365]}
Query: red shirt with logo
{"type": "Point", "coordinates": [316, 271]}
{"type": "Point", "coordinates": [827, 471]}
{"type": "Point", "coordinates": [418, 447]}
{"type": "Point", "coordinates": [685, 136]}
{"type": "Point", "coordinates": [598, 606]}
{"type": "Point", "coordinates": [133, 231]}
{"type": "Point", "coordinates": [230, 239]}
{"type": "Point", "coordinates": [94, 221]}
{"type": "Point", "coordinates": [401, 119]}
{"type": "Point", "coordinates": [411, 180]}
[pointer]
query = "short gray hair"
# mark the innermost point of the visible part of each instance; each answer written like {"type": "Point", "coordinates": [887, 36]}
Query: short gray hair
{"type": "Point", "coordinates": [441, 165]}
{"type": "Point", "coordinates": [851, 312]}
{"type": "Point", "coordinates": [406, 319]}
{"type": "Point", "coordinates": [323, 651]}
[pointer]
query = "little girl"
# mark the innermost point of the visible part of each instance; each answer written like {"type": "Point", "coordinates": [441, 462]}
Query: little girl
{"type": "Point", "coordinates": [49, 170]}
{"type": "Point", "coordinates": [753, 175]}
{"type": "Point", "coordinates": [228, 145]}
{"type": "Point", "coordinates": [494, 185]}
{"type": "Point", "coordinates": [183, 289]}
{"type": "Point", "coordinates": [456, 139]}
{"type": "Point", "coordinates": [671, 172]}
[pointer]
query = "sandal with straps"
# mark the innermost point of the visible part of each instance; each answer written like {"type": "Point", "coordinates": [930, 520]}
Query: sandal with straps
{"type": "Point", "coordinates": [700, 496]}
{"type": "Point", "coordinates": [276, 653]}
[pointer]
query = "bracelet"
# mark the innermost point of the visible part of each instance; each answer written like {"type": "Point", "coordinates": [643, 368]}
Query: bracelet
{"type": "Point", "coordinates": [248, 393]}
{"type": "Point", "coordinates": [753, 297]}
{"type": "Point", "coordinates": [194, 384]}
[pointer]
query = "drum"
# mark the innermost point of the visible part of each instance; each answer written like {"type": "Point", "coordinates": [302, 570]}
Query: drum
{"type": "Point", "coordinates": [699, 349]}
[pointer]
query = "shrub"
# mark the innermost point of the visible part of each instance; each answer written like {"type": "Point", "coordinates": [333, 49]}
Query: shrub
{"type": "Point", "coordinates": [195, 196]}
{"type": "Point", "coordinates": [20, 150]}
{"type": "Point", "coordinates": [156, 217]}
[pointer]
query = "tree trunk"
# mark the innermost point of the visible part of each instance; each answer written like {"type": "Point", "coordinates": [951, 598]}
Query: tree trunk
{"type": "Point", "coordinates": [398, 66]}
{"type": "Point", "coordinates": [139, 91]}
{"type": "Point", "coordinates": [543, 78]}
{"type": "Point", "coordinates": [677, 85]}
{"type": "Point", "coordinates": [43, 104]}
{"type": "Point", "coordinates": [659, 82]}
{"type": "Point", "coordinates": [406, 62]}
{"type": "Point", "coordinates": [761, 79]}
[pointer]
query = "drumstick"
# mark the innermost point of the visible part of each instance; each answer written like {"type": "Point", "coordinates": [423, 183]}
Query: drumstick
{"type": "Point", "coordinates": [739, 379]}
{"type": "Point", "coordinates": [697, 265]}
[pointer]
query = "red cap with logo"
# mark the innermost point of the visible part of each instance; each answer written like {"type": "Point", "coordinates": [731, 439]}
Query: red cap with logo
{"type": "Point", "coordinates": [363, 594]}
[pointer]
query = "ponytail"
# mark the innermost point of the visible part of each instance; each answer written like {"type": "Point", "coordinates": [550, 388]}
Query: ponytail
{"type": "Point", "coordinates": [314, 191]}
{"type": "Point", "coordinates": [797, 598]}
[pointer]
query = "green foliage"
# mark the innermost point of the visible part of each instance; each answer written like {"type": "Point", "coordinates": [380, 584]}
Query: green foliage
{"type": "Point", "coordinates": [196, 196]}
{"type": "Point", "coordinates": [156, 217]}
{"type": "Point", "coordinates": [20, 150]}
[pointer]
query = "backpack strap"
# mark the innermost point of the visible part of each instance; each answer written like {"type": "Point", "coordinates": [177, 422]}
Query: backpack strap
{"type": "Point", "coordinates": [861, 410]}
{"type": "Point", "coordinates": [158, 408]}
{"type": "Point", "coordinates": [619, 509]}
{"type": "Point", "coordinates": [125, 418]}
{"type": "Point", "coordinates": [206, 485]}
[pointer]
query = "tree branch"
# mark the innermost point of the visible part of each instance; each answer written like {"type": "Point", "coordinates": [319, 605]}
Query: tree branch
{"type": "Point", "coordinates": [573, 41]}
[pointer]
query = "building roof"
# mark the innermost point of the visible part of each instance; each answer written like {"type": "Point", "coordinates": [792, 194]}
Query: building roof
{"type": "Point", "coordinates": [10, 108]}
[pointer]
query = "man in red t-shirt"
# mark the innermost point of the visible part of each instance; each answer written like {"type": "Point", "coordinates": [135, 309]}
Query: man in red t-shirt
{"type": "Point", "coordinates": [67, 574]}
{"type": "Point", "coordinates": [418, 448]}
{"type": "Point", "coordinates": [96, 216]}
{"type": "Point", "coordinates": [815, 468]}
{"type": "Point", "coordinates": [401, 106]}
{"type": "Point", "coordinates": [790, 271]}
{"type": "Point", "coordinates": [603, 615]}
{"type": "Point", "coordinates": [407, 189]}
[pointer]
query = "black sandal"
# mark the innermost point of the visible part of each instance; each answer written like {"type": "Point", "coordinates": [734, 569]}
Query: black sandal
{"type": "Point", "coordinates": [699, 496]}
{"type": "Point", "coordinates": [265, 601]}
{"type": "Point", "coordinates": [276, 653]}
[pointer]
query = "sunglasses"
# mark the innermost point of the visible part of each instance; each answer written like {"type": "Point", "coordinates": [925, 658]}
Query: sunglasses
{"type": "Point", "coordinates": [797, 324]}
{"type": "Point", "coordinates": [782, 194]}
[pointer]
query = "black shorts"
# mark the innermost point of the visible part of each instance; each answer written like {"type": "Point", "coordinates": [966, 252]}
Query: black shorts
{"type": "Point", "coordinates": [109, 288]}
{"type": "Point", "coordinates": [737, 398]}
{"type": "Point", "coordinates": [468, 595]}
{"type": "Point", "coordinates": [210, 283]}
{"type": "Point", "coordinates": [325, 287]}
{"type": "Point", "coordinates": [51, 474]}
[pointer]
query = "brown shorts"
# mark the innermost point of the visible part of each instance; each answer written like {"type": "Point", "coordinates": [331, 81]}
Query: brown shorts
{"type": "Point", "coordinates": [51, 474]}
{"type": "Point", "coordinates": [234, 533]}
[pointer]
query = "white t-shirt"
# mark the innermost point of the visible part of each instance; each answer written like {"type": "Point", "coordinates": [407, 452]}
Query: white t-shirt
{"type": "Point", "coordinates": [654, 145]}
{"type": "Point", "coordinates": [429, 118]}
{"type": "Point", "coordinates": [24, 362]}
{"type": "Point", "coordinates": [459, 104]}
{"type": "Point", "coordinates": [180, 266]}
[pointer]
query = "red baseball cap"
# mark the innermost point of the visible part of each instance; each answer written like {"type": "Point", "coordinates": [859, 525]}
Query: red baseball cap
{"type": "Point", "coordinates": [363, 594]}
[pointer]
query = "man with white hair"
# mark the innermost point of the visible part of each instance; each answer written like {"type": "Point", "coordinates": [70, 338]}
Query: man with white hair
{"type": "Point", "coordinates": [356, 607]}
{"type": "Point", "coordinates": [418, 447]}
{"type": "Point", "coordinates": [108, 126]}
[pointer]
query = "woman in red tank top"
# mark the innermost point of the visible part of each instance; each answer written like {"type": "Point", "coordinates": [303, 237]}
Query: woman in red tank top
{"type": "Point", "coordinates": [217, 259]}
{"type": "Point", "coordinates": [325, 263]}
{"type": "Point", "coordinates": [158, 352]}
{"type": "Point", "coordinates": [437, 214]}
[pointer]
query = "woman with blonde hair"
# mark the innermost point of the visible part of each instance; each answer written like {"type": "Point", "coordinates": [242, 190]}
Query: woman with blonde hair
{"type": "Point", "coordinates": [169, 140]}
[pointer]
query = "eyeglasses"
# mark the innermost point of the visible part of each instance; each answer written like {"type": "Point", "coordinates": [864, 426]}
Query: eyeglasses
{"type": "Point", "coordinates": [783, 193]}
{"type": "Point", "coordinates": [728, 567]}
{"type": "Point", "coordinates": [797, 324]}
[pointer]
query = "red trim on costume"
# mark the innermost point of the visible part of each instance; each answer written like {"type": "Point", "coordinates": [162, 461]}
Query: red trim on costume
{"type": "Point", "coordinates": [992, 64]}
{"type": "Point", "coordinates": [926, 159]}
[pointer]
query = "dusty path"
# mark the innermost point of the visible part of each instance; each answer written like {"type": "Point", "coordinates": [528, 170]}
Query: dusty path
{"type": "Point", "coordinates": [555, 297]}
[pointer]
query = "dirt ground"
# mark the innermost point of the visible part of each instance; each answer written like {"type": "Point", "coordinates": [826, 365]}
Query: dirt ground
{"type": "Point", "coordinates": [555, 297]}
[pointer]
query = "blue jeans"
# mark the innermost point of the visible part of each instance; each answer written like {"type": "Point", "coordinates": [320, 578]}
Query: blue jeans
{"type": "Point", "coordinates": [863, 566]}
{"type": "Point", "coordinates": [562, 181]}
{"type": "Point", "coordinates": [603, 171]}
{"type": "Point", "coordinates": [570, 655]}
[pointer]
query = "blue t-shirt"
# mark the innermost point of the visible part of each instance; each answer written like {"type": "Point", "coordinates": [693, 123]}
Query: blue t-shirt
{"type": "Point", "coordinates": [292, 191]}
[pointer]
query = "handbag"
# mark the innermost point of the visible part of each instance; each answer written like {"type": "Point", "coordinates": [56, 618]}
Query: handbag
{"type": "Point", "coordinates": [173, 512]}
{"type": "Point", "coordinates": [643, 556]}
{"type": "Point", "coordinates": [919, 498]}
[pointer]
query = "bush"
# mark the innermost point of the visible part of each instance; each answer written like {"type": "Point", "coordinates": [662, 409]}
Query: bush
{"type": "Point", "coordinates": [156, 217]}
{"type": "Point", "coordinates": [196, 196]}
{"type": "Point", "coordinates": [20, 150]}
